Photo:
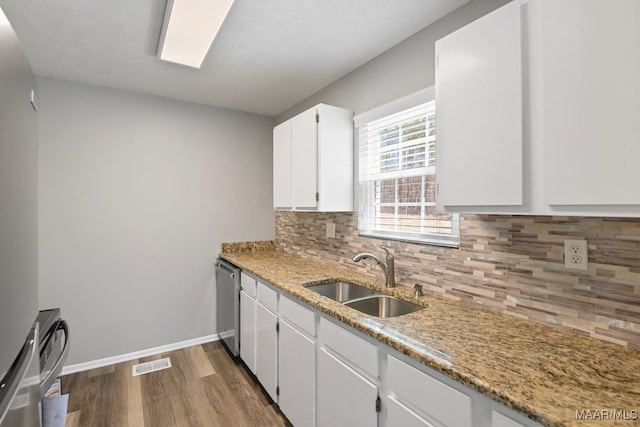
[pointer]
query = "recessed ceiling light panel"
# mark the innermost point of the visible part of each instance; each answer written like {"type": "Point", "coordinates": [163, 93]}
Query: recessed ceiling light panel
{"type": "Point", "coordinates": [189, 28]}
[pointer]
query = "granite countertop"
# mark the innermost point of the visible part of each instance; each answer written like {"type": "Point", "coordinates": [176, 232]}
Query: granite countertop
{"type": "Point", "coordinates": [543, 372]}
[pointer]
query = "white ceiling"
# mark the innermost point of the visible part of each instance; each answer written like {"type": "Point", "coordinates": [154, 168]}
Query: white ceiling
{"type": "Point", "coordinates": [269, 55]}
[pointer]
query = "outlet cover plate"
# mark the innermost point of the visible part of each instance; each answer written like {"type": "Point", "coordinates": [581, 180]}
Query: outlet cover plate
{"type": "Point", "coordinates": [576, 255]}
{"type": "Point", "coordinates": [331, 230]}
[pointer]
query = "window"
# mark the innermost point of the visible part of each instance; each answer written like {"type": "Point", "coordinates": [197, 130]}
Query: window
{"type": "Point", "coordinates": [397, 173]}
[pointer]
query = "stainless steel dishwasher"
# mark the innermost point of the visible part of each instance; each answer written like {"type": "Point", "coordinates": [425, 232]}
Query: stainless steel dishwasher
{"type": "Point", "coordinates": [228, 305]}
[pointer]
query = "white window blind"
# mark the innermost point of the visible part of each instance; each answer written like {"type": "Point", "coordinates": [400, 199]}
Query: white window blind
{"type": "Point", "coordinates": [397, 182]}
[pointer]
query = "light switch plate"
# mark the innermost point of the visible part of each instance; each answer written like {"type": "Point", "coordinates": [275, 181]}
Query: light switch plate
{"type": "Point", "coordinates": [331, 230]}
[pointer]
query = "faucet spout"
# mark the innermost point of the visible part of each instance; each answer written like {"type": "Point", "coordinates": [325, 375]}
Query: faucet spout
{"type": "Point", "coordinates": [388, 269]}
{"type": "Point", "coordinates": [365, 255]}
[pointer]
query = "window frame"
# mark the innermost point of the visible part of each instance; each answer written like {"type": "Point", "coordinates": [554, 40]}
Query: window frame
{"type": "Point", "coordinates": [417, 98]}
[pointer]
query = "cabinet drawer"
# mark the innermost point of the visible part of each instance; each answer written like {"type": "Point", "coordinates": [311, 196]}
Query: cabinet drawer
{"type": "Point", "coordinates": [248, 284]}
{"type": "Point", "coordinates": [302, 318]}
{"type": "Point", "coordinates": [499, 420]}
{"type": "Point", "coordinates": [267, 297]}
{"type": "Point", "coordinates": [425, 394]}
{"type": "Point", "coordinates": [355, 350]}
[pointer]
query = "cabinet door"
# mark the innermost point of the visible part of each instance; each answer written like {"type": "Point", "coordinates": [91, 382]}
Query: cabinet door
{"type": "Point", "coordinates": [305, 159]}
{"type": "Point", "coordinates": [296, 375]}
{"type": "Point", "coordinates": [267, 350]}
{"type": "Point", "coordinates": [400, 415]}
{"type": "Point", "coordinates": [591, 102]}
{"type": "Point", "coordinates": [282, 184]}
{"type": "Point", "coordinates": [335, 159]}
{"type": "Point", "coordinates": [479, 112]}
{"type": "Point", "coordinates": [345, 398]}
{"type": "Point", "coordinates": [248, 330]}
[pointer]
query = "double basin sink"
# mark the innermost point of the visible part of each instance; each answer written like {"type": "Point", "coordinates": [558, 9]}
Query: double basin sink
{"type": "Point", "coordinates": [364, 300]}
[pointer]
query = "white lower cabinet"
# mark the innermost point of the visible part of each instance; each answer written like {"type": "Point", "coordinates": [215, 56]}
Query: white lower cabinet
{"type": "Point", "coordinates": [322, 373]}
{"type": "Point", "coordinates": [248, 330]}
{"type": "Point", "coordinates": [296, 376]}
{"type": "Point", "coordinates": [401, 416]}
{"type": "Point", "coordinates": [267, 350]}
{"type": "Point", "coordinates": [345, 398]}
{"type": "Point", "coordinates": [347, 378]}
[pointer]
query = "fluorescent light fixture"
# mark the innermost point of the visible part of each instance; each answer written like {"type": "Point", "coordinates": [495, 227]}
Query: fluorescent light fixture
{"type": "Point", "coordinates": [189, 28]}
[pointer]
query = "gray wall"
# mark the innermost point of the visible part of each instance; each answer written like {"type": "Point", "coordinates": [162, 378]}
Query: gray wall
{"type": "Point", "coordinates": [401, 70]}
{"type": "Point", "coordinates": [136, 194]}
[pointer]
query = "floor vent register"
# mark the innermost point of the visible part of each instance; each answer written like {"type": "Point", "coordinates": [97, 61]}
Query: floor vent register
{"type": "Point", "coordinates": [154, 365]}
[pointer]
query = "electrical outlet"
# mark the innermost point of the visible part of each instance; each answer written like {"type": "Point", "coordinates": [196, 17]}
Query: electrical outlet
{"type": "Point", "coordinates": [331, 230]}
{"type": "Point", "coordinates": [575, 254]}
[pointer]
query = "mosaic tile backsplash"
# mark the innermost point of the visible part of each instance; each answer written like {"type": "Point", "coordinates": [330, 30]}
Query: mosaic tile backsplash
{"type": "Point", "coordinates": [513, 264]}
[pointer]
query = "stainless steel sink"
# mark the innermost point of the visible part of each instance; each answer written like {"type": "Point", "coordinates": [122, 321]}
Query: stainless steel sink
{"type": "Point", "coordinates": [383, 306]}
{"type": "Point", "coordinates": [341, 291]}
{"type": "Point", "coordinates": [364, 300]}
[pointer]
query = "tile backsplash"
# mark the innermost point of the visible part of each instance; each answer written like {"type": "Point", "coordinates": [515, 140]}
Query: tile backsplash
{"type": "Point", "coordinates": [510, 263]}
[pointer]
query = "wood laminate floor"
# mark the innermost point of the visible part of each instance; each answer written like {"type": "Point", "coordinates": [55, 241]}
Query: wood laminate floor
{"type": "Point", "coordinates": [204, 387]}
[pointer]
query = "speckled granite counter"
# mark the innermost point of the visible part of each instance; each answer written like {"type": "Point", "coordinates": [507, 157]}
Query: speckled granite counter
{"type": "Point", "coordinates": [543, 372]}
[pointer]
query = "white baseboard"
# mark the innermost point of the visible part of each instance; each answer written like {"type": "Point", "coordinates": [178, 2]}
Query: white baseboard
{"type": "Point", "coordinates": [85, 366]}
{"type": "Point", "coordinates": [227, 334]}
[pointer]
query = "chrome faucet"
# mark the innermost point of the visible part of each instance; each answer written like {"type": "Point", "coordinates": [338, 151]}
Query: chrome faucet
{"type": "Point", "coordinates": [388, 268]}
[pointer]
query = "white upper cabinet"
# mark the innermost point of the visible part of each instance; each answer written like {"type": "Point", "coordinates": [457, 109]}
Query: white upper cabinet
{"type": "Point", "coordinates": [304, 166]}
{"type": "Point", "coordinates": [591, 102]}
{"type": "Point", "coordinates": [282, 185]}
{"type": "Point", "coordinates": [479, 112]}
{"type": "Point", "coordinates": [579, 116]}
{"type": "Point", "coordinates": [313, 161]}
